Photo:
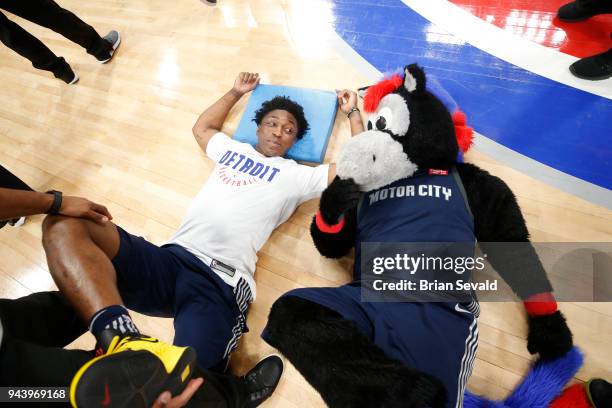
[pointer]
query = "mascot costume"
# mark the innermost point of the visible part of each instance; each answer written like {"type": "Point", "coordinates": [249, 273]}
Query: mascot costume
{"type": "Point", "coordinates": [401, 181]}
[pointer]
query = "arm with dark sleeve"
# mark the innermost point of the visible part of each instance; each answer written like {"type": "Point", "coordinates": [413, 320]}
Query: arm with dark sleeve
{"type": "Point", "coordinates": [498, 219]}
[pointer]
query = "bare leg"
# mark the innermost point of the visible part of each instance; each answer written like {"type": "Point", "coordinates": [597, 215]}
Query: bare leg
{"type": "Point", "coordinates": [79, 254]}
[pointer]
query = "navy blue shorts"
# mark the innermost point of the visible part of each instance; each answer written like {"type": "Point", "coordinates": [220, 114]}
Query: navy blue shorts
{"type": "Point", "coordinates": [436, 338]}
{"type": "Point", "coordinates": [169, 281]}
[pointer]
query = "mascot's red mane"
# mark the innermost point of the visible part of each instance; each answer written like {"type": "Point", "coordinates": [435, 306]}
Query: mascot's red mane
{"type": "Point", "coordinates": [376, 92]}
{"type": "Point", "coordinates": [463, 133]}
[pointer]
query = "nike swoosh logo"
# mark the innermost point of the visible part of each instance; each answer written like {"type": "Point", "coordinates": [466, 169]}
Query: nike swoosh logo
{"type": "Point", "coordinates": [107, 397]}
{"type": "Point", "coordinates": [459, 309]}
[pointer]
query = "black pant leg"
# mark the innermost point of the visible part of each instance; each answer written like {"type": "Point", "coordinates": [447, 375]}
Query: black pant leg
{"type": "Point", "coordinates": [27, 364]}
{"type": "Point", "coordinates": [44, 318]}
{"type": "Point", "coordinates": [218, 391]}
{"type": "Point", "coordinates": [30, 47]}
{"type": "Point", "coordinates": [49, 14]}
{"type": "Point", "coordinates": [9, 180]}
{"type": "Point", "coordinates": [35, 327]}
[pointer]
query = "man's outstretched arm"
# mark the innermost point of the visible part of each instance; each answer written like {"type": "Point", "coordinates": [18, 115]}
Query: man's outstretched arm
{"type": "Point", "coordinates": [347, 102]}
{"type": "Point", "coordinates": [211, 120]}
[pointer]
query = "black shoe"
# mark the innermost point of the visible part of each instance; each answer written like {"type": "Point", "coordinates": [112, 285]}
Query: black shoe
{"type": "Point", "coordinates": [67, 75]}
{"type": "Point", "coordinates": [113, 39]}
{"type": "Point", "coordinates": [580, 10]}
{"type": "Point", "coordinates": [594, 68]}
{"type": "Point", "coordinates": [211, 2]}
{"type": "Point", "coordinates": [262, 380]}
{"type": "Point", "coordinates": [600, 393]}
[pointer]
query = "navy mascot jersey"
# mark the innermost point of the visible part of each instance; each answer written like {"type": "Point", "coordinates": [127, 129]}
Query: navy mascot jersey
{"type": "Point", "coordinates": [430, 206]}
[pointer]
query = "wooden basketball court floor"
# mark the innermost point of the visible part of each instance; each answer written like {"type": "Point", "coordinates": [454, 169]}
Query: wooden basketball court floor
{"type": "Point", "coordinates": [122, 137]}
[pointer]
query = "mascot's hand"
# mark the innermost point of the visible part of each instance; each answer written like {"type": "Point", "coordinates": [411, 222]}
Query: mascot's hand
{"type": "Point", "coordinates": [549, 336]}
{"type": "Point", "coordinates": [339, 197]}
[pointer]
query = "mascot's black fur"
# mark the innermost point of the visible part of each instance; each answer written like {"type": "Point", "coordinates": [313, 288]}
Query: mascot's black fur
{"type": "Point", "coordinates": [346, 367]}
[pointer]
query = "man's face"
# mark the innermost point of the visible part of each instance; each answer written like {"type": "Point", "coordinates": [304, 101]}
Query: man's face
{"type": "Point", "coordinates": [276, 133]}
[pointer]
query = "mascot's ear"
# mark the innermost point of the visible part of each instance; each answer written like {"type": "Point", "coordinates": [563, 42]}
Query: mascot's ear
{"type": "Point", "coordinates": [414, 80]}
{"type": "Point", "coordinates": [362, 91]}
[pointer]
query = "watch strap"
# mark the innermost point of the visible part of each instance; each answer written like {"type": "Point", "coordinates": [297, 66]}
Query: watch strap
{"type": "Point", "coordinates": [57, 202]}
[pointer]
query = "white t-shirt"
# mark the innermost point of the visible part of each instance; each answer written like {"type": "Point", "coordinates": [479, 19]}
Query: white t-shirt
{"type": "Point", "coordinates": [245, 198]}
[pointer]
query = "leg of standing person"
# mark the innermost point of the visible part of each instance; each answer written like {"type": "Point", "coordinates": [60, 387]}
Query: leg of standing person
{"type": "Point", "coordinates": [8, 179]}
{"type": "Point", "coordinates": [34, 330]}
{"type": "Point", "coordinates": [595, 67]}
{"type": "Point", "coordinates": [49, 14]}
{"type": "Point", "coordinates": [30, 47]}
{"type": "Point", "coordinates": [44, 318]}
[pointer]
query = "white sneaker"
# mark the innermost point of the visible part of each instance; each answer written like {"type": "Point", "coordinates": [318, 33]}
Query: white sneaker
{"type": "Point", "coordinates": [18, 222]}
{"type": "Point", "coordinates": [75, 79]}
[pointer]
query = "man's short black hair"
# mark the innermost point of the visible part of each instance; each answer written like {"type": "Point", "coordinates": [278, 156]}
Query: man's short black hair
{"type": "Point", "coordinates": [286, 104]}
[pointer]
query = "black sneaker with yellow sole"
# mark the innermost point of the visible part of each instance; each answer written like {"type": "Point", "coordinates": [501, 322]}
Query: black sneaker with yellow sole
{"type": "Point", "coordinates": [133, 372]}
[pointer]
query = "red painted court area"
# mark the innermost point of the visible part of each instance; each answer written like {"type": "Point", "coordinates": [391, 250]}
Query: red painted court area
{"type": "Point", "coordinates": [536, 20]}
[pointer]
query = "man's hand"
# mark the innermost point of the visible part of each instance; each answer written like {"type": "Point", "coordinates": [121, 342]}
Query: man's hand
{"type": "Point", "coordinates": [165, 399]}
{"type": "Point", "coordinates": [245, 82]}
{"type": "Point", "coordinates": [83, 208]}
{"type": "Point", "coordinates": [211, 120]}
{"type": "Point", "coordinates": [347, 100]}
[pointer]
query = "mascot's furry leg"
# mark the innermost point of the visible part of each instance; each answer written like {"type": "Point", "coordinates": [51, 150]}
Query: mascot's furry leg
{"type": "Point", "coordinates": [544, 382]}
{"type": "Point", "coordinates": [341, 363]}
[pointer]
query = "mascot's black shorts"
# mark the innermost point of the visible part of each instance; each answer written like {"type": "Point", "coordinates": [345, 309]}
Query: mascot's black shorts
{"type": "Point", "coordinates": [436, 338]}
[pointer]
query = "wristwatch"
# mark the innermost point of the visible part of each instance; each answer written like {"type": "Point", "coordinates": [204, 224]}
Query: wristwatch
{"type": "Point", "coordinates": [57, 202]}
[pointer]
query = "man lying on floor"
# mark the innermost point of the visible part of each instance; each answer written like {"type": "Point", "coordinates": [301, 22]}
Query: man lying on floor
{"type": "Point", "coordinates": [35, 328]}
{"type": "Point", "coordinates": [203, 277]}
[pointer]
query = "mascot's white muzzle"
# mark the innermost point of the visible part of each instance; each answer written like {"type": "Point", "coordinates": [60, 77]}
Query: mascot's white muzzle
{"type": "Point", "coordinates": [373, 159]}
